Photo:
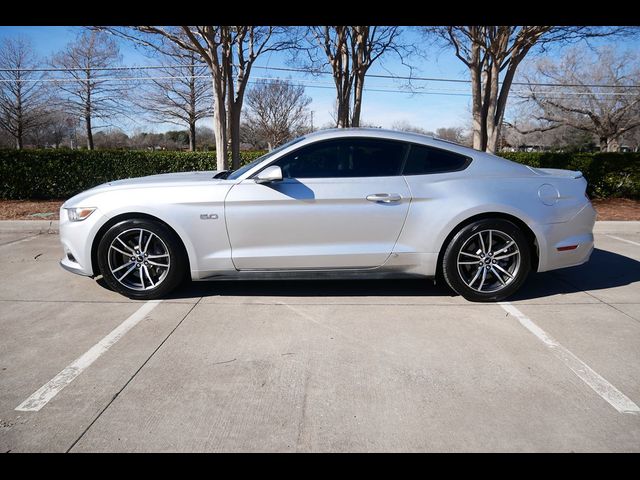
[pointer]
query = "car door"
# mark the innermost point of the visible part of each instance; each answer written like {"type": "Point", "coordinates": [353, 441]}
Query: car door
{"type": "Point", "coordinates": [341, 204]}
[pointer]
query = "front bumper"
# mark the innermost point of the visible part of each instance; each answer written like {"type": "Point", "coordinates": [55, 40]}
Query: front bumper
{"type": "Point", "coordinates": [76, 239]}
{"type": "Point", "coordinates": [73, 267]}
{"type": "Point", "coordinates": [577, 231]}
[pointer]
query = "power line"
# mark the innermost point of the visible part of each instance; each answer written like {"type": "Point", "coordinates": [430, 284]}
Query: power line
{"type": "Point", "coordinates": [299, 70]}
{"type": "Point", "coordinates": [309, 84]}
{"type": "Point", "coordinates": [453, 80]}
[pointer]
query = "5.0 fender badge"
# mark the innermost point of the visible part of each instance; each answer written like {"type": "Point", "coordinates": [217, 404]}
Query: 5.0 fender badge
{"type": "Point", "coordinates": [208, 216]}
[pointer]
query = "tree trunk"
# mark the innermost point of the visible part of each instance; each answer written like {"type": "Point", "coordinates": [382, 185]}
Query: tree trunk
{"type": "Point", "coordinates": [229, 122]}
{"type": "Point", "coordinates": [357, 100]}
{"type": "Point", "coordinates": [192, 105]}
{"type": "Point", "coordinates": [19, 135]}
{"type": "Point", "coordinates": [603, 143]}
{"type": "Point", "coordinates": [609, 144]}
{"type": "Point", "coordinates": [478, 124]}
{"type": "Point", "coordinates": [234, 129]}
{"type": "Point", "coordinates": [228, 77]}
{"type": "Point", "coordinates": [87, 120]}
{"type": "Point", "coordinates": [342, 104]}
{"type": "Point", "coordinates": [341, 69]}
{"type": "Point", "coordinates": [87, 110]}
{"type": "Point", "coordinates": [192, 136]}
{"type": "Point", "coordinates": [493, 121]}
{"type": "Point", "coordinates": [19, 122]}
{"type": "Point", "coordinates": [343, 114]}
{"type": "Point", "coordinates": [219, 125]}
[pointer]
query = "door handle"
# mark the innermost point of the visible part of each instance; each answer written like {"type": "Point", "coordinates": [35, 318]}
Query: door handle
{"type": "Point", "coordinates": [384, 197]}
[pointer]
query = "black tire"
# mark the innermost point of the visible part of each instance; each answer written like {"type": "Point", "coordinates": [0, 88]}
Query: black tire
{"type": "Point", "coordinates": [168, 277]}
{"type": "Point", "coordinates": [460, 276]}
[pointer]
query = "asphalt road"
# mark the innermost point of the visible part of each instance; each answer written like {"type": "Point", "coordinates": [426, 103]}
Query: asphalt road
{"type": "Point", "coordinates": [320, 366]}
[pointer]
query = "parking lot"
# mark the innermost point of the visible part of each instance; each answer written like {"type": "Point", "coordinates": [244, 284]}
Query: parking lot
{"type": "Point", "coordinates": [320, 366]}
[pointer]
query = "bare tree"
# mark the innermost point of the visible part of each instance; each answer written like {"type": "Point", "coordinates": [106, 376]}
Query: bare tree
{"type": "Point", "coordinates": [454, 134]}
{"type": "Point", "coordinates": [350, 51]}
{"type": "Point", "coordinates": [22, 96]}
{"type": "Point", "coordinates": [111, 138]}
{"type": "Point", "coordinates": [89, 89]}
{"type": "Point", "coordinates": [229, 52]}
{"type": "Point", "coordinates": [631, 140]}
{"type": "Point", "coordinates": [493, 53]}
{"type": "Point", "coordinates": [51, 131]}
{"type": "Point", "coordinates": [581, 104]}
{"type": "Point", "coordinates": [405, 126]}
{"type": "Point", "coordinates": [277, 111]}
{"type": "Point", "coordinates": [527, 136]}
{"type": "Point", "coordinates": [6, 140]}
{"type": "Point", "coordinates": [179, 93]}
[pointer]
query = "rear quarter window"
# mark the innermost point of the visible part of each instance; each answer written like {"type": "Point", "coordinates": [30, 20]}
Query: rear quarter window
{"type": "Point", "coordinates": [423, 160]}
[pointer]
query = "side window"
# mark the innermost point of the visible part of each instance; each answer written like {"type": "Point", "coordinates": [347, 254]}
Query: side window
{"type": "Point", "coordinates": [424, 160]}
{"type": "Point", "coordinates": [357, 157]}
{"type": "Point", "coordinates": [314, 161]}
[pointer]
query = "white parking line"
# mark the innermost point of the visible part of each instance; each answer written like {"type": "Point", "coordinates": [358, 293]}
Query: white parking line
{"type": "Point", "coordinates": [49, 390]}
{"type": "Point", "coordinates": [602, 387]}
{"type": "Point", "coordinates": [622, 239]}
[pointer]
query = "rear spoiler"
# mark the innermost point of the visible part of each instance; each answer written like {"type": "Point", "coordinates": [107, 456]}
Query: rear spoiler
{"type": "Point", "coordinates": [556, 172]}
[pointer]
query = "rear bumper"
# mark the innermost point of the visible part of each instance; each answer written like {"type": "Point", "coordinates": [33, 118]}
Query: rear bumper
{"type": "Point", "coordinates": [578, 231]}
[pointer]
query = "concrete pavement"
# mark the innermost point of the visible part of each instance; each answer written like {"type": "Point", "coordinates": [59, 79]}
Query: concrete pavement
{"type": "Point", "coordinates": [319, 366]}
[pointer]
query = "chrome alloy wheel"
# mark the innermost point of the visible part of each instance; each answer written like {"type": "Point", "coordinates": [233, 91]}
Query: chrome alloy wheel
{"type": "Point", "coordinates": [139, 259]}
{"type": "Point", "coordinates": [488, 261]}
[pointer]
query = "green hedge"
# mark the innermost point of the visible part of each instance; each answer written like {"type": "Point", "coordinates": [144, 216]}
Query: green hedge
{"type": "Point", "coordinates": [54, 174]}
{"type": "Point", "coordinates": [608, 174]}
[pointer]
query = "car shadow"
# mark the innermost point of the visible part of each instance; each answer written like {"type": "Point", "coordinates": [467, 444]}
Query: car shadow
{"type": "Point", "coordinates": [313, 288]}
{"type": "Point", "coordinates": [604, 270]}
{"type": "Point", "coordinates": [293, 188]}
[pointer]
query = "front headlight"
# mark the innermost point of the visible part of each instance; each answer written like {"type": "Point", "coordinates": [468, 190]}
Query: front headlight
{"type": "Point", "coordinates": [80, 213]}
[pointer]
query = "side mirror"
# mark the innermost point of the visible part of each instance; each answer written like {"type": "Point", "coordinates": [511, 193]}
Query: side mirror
{"type": "Point", "coordinates": [269, 174]}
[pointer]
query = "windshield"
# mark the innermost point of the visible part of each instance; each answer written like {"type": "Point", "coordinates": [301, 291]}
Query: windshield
{"type": "Point", "coordinates": [241, 171]}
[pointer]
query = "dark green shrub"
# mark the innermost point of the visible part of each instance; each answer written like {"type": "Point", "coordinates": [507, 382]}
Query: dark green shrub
{"type": "Point", "coordinates": [52, 174]}
{"type": "Point", "coordinates": [608, 174]}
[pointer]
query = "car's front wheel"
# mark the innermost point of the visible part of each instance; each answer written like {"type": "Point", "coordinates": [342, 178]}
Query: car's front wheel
{"type": "Point", "coordinates": [141, 259]}
{"type": "Point", "coordinates": [487, 260]}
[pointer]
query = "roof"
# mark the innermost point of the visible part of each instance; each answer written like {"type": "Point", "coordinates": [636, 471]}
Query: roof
{"type": "Point", "coordinates": [392, 135]}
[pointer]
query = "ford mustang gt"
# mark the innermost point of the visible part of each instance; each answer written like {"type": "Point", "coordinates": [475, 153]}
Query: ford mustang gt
{"type": "Point", "coordinates": [346, 203]}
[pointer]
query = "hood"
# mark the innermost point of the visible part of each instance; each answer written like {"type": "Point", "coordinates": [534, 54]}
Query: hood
{"type": "Point", "coordinates": [165, 179]}
{"type": "Point", "coordinates": [178, 179]}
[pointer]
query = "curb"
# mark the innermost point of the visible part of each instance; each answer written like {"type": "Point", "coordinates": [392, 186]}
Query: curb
{"type": "Point", "coordinates": [29, 226]}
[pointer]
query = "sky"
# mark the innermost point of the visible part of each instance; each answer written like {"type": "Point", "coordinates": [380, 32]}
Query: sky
{"type": "Point", "coordinates": [447, 104]}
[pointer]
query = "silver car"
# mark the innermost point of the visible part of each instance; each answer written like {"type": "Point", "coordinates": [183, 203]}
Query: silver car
{"type": "Point", "coordinates": [346, 203]}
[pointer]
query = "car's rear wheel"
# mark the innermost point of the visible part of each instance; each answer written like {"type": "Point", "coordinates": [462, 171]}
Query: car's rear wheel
{"type": "Point", "coordinates": [141, 259]}
{"type": "Point", "coordinates": [487, 260]}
